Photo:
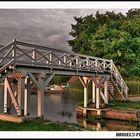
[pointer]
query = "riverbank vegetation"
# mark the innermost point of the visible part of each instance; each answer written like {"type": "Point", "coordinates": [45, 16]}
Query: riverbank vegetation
{"type": "Point", "coordinates": [39, 125]}
{"type": "Point", "coordinates": [124, 104]}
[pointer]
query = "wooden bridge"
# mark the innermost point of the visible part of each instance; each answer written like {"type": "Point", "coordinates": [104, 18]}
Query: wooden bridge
{"type": "Point", "coordinates": [29, 64]}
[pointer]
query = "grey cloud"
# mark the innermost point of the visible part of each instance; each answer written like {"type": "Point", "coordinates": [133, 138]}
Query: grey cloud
{"type": "Point", "coordinates": [49, 27]}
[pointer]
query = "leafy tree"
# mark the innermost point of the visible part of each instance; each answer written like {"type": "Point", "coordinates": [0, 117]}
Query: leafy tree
{"type": "Point", "coordinates": [110, 35]}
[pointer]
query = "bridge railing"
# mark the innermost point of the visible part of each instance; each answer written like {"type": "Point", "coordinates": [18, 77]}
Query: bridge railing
{"type": "Point", "coordinates": [34, 55]}
{"type": "Point", "coordinates": [118, 80]}
{"type": "Point", "coordinates": [27, 54]}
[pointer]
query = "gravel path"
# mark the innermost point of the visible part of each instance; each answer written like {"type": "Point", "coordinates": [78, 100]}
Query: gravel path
{"type": "Point", "coordinates": [134, 98]}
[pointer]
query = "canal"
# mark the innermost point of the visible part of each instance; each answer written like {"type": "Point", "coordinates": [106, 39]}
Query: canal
{"type": "Point", "coordinates": [60, 107]}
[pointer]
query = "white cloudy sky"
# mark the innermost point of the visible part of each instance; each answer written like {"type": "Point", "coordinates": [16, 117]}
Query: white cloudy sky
{"type": "Point", "coordinates": [48, 27]}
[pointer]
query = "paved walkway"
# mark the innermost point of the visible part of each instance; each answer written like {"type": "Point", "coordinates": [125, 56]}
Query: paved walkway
{"type": "Point", "coordinates": [134, 98]}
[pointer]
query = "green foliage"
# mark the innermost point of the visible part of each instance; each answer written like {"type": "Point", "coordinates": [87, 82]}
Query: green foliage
{"type": "Point", "coordinates": [110, 35]}
{"type": "Point", "coordinates": [134, 87]}
{"type": "Point", "coordinates": [58, 79]}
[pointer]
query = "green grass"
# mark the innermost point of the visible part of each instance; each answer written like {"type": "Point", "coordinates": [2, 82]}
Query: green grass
{"type": "Point", "coordinates": [124, 104]}
{"type": "Point", "coordinates": [39, 125]}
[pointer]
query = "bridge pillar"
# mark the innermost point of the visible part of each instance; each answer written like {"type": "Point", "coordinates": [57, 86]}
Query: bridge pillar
{"type": "Point", "coordinates": [5, 97]}
{"type": "Point", "coordinates": [93, 92]}
{"type": "Point", "coordinates": [85, 92]}
{"type": "Point", "coordinates": [106, 89]}
{"type": "Point", "coordinates": [40, 104]}
{"type": "Point", "coordinates": [97, 93]}
{"type": "Point", "coordinates": [85, 81]}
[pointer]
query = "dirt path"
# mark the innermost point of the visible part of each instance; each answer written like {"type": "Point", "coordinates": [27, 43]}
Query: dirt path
{"type": "Point", "coordinates": [134, 98]}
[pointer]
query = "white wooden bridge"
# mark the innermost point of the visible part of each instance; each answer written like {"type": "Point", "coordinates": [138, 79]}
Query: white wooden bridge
{"type": "Point", "coordinates": [31, 64]}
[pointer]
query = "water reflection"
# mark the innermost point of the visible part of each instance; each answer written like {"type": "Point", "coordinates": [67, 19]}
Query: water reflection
{"type": "Point", "coordinates": [109, 125]}
{"type": "Point", "coordinates": [61, 107]}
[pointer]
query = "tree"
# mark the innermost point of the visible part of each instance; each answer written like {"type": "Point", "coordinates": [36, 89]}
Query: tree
{"type": "Point", "coordinates": [112, 36]}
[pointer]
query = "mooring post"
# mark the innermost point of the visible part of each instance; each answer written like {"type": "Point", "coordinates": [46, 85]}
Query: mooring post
{"type": "Point", "coordinates": [93, 92]}
{"type": "Point", "coordinates": [97, 94]}
{"type": "Point", "coordinates": [41, 81]}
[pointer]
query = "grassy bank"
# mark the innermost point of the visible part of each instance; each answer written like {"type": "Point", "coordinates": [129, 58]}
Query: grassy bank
{"type": "Point", "coordinates": [117, 103]}
{"type": "Point", "coordinates": [39, 125]}
{"type": "Point", "coordinates": [124, 104]}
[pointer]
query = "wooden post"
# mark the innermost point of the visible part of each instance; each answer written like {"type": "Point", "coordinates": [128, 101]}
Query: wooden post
{"type": "Point", "coordinates": [34, 55]}
{"type": "Point", "coordinates": [21, 94]}
{"type": "Point", "coordinates": [5, 96]}
{"type": "Point", "coordinates": [106, 89]}
{"type": "Point", "coordinates": [93, 92]}
{"type": "Point", "coordinates": [97, 94]}
{"type": "Point", "coordinates": [77, 62]}
{"type": "Point", "coordinates": [25, 98]}
{"type": "Point", "coordinates": [85, 92]}
{"type": "Point", "coordinates": [50, 57]}
{"type": "Point", "coordinates": [40, 112]}
{"type": "Point", "coordinates": [65, 58]}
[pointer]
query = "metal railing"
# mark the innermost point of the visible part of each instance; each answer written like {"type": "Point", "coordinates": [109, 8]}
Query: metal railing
{"type": "Point", "coordinates": [26, 54]}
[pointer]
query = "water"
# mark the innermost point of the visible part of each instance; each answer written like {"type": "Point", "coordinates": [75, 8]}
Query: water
{"type": "Point", "coordinates": [54, 106]}
{"type": "Point", "coordinates": [57, 104]}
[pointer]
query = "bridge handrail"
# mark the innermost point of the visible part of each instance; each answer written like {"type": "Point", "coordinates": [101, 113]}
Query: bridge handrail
{"type": "Point", "coordinates": [95, 62]}
{"type": "Point", "coordinates": [57, 50]}
{"type": "Point", "coordinates": [118, 77]}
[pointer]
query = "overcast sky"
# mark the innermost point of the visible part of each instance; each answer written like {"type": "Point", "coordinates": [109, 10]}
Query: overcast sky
{"type": "Point", "coordinates": [48, 27]}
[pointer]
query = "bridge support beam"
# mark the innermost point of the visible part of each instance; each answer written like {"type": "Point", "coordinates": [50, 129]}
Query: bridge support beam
{"type": "Point", "coordinates": [93, 92]}
{"type": "Point", "coordinates": [106, 89]}
{"type": "Point", "coordinates": [85, 81]}
{"type": "Point", "coordinates": [40, 105]}
{"type": "Point", "coordinates": [97, 94]}
{"type": "Point", "coordinates": [16, 88]}
{"type": "Point", "coordinates": [39, 81]}
{"type": "Point", "coordinates": [85, 93]}
{"type": "Point", "coordinates": [5, 97]}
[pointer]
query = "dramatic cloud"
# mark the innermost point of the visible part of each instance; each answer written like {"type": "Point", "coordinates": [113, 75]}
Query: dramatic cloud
{"type": "Point", "coordinates": [48, 27]}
